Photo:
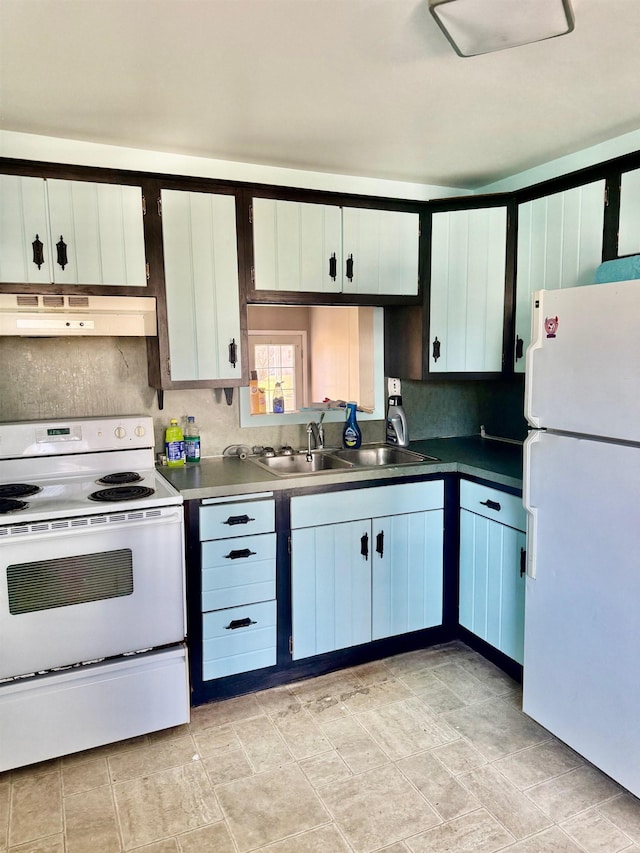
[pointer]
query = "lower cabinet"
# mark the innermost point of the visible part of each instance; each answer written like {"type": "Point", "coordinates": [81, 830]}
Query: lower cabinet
{"type": "Point", "coordinates": [492, 563]}
{"type": "Point", "coordinates": [365, 564]}
{"type": "Point", "coordinates": [238, 599]}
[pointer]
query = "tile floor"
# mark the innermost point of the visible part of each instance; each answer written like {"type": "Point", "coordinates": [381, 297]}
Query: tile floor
{"type": "Point", "coordinates": [421, 753]}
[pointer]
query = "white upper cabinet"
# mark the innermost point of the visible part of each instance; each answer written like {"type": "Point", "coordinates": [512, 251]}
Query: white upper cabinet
{"type": "Point", "coordinates": [319, 248]}
{"type": "Point", "coordinates": [468, 263]}
{"type": "Point", "coordinates": [71, 232]}
{"type": "Point", "coordinates": [559, 245]}
{"type": "Point", "coordinates": [23, 222]}
{"type": "Point", "coordinates": [380, 251]}
{"type": "Point", "coordinates": [629, 233]}
{"type": "Point", "coordinates": [297, 246]}
{"type": "Point", "coordinates": [201, 280]}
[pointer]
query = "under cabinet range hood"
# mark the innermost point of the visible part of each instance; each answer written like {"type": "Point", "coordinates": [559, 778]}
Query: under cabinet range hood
{"type": "Point", "coordinates": [51, 315]}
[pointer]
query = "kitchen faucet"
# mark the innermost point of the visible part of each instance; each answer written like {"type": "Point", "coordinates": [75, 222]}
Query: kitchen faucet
{"type": "Point", "coordinates": [315, 430]}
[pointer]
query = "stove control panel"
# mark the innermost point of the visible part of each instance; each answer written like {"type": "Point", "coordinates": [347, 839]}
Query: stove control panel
{"type": "Point", "coordinates": [76, 435]}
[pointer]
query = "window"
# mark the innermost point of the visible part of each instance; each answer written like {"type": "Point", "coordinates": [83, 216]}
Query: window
{"type": "Point", "coordinates": [279, 360]}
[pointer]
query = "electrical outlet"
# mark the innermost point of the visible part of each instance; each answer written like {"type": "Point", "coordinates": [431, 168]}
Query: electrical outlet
{"type": "Point", "coordinates": [393, 385]}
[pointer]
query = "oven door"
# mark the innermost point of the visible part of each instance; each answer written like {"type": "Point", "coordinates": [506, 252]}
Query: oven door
{"type": "Point", "coordinates": [82, 589]}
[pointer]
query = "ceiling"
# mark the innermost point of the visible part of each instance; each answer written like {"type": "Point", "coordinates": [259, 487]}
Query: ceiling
{"type": "Point", "coordinates": [357, 87]}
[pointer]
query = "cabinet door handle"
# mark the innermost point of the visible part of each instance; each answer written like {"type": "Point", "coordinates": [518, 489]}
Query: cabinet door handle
{"type": "Point", "coordinates": [349, 272]}
{"type": "Point", "coordinates": [380, 543]}
{"type": "Point", "coordinates": [233, 352]}
{"type": "Point", "coordinates": [364, 546]}
{"type": "Point", "coordinates": [239, 623]}
{"type": "Point", "coordinates": [523, 562]}
{"type": "Point", "coordinates": [519, 347]}
{"type": "Point", "coordinates": [38, 251]}
{"type": "Point", "coordinates": [237, 555]}
{"type": "Point", "coordinates": [61, 247]}
{"type": "Point", "coordinates": [238, 519]}
{"type": "Point", "coordinates": [436, 349]}
{"type": "Point", "coordinates": [333, 267]}
{"type": "Point", "coordinates": [491, 505]}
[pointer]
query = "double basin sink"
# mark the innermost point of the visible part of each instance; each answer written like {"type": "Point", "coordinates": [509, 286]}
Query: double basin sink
{"type": "Point", "coordinates": [336, 459]}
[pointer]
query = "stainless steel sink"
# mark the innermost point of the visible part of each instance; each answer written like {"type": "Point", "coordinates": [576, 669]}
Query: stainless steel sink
{"type": "Point", "coordinates": [379, 455]}
{"type": "Point", "coordinates": [336, 459]}
{"type": "Point", "coordinates": [297, 465]}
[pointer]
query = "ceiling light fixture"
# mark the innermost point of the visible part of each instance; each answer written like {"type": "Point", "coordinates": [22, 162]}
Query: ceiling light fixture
{"type": "Point", "coordinates": [482, 26]}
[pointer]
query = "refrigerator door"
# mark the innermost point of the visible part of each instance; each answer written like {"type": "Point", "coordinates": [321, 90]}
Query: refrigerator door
{"type": "Point", "coordinates": [582, 364]}
{"type": "Point", "coordinates": [582, 629]}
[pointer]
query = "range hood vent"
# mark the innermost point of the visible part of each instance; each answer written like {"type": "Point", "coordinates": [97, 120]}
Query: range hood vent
{"type": "Point", "coordinates": [52, 315]}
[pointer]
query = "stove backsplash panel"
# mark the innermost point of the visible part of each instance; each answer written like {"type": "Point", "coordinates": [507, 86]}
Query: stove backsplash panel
{"type": "Point", "coordinates": [44, 378]}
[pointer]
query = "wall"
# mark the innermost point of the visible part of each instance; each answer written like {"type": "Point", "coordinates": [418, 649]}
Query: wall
{"type": "Point", "coordinates": [442, 408]}
{"type": "Point", "coordinates": [48, 378]}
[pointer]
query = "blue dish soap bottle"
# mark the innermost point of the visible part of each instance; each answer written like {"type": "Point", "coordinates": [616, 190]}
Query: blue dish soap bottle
{"type": "Point", "coordinates": [351, 435]}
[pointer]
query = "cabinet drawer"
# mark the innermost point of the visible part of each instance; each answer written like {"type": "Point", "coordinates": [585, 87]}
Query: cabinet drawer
{"type": "Point", "coordinates": [237, 518]}
{"type": "Point", "coordinates": [238, 571]}
{"type": "Point", "coordinates": [492, 503]}
{"type": "Point", "coordinates": [238, 639]}
{"type": "Point", "coordinates": [352, 505]}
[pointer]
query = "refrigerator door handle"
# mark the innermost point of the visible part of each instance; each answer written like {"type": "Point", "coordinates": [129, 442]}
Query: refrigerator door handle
{"type": "Point", "coordinates": [532, 512]}
{"type": "Point", "coordinates": [537, 326]}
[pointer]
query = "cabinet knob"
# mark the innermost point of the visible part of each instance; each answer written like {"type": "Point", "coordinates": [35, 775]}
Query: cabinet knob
{"type": "Point", "coordinates": [61, 247]}
{"type": "Point", "coordinates": [523, 562]}
{"type": "Point", "coordinates": [380, 543]}
{"type": "Point", "coordinates": [364, 546]}
{"type": "Point", "coordinates": [349, 273]}
{"type": "Point", "coordinates": [233, 352]}
{"type": "Point", "coordinates": [38, 251]}
{"type": "Point", "coordinates": [239, 623]}
{"type": "Point", "coordinates": [333, 267]}
{"type": "Point", "coordinates": [238, 519]}
{"type": "Point", "coordinates": [491, 505]}
{"type": "Point", "coordinates": [519, 347]}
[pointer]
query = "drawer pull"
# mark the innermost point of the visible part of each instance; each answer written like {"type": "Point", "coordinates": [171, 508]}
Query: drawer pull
{"type": "Point", "coordinates": [238, 519]}
{"type": "Point", "coordinates": [523, 562]}
{"type": "Point", "coordinates": [239, 623]}
{"type": "Point", "coordinates": [491, 505]}
{"type": "Point", "coordinates": [237, 555]}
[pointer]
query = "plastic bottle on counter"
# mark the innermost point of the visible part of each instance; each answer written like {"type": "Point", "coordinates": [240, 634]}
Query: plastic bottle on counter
{"type": "Point", "coordinates": [351, 435]}
{"type": "Point", "coordinates": [397, 430]}
{"type": "Point", "coordinates": [278, 399]}
{"type": "Point", "coordinates": [174, 445]}
{"type": "Point", "coordinates": [192, 440]}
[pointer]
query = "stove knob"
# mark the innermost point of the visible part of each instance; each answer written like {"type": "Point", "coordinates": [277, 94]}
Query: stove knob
{"type": "Point", "coordinates": [140, 431]}
{"type": "Point", "coordinates": [120, 432]}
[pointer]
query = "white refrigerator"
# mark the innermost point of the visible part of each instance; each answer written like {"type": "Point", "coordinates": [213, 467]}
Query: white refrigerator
{"type": "Point", "coordinates": [582, 495]}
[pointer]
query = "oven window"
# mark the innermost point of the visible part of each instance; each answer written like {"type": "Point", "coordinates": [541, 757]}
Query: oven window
{"type": "Point", "coordinates": [45, 584]}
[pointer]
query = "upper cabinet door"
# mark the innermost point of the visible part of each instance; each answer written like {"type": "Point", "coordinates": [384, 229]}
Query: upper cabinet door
{"type": "Point", "coordinates": [201, 279]}
{"type": "Point", "coordinates": [97, 233]}
{"type": "Point", "coordinates": [559, 245]}
{"type": "Point", "coordinates": [380, 250]}
{"type": "Point", "coordinates": [629, 233]}
{"type": "Point", "coordinates": [468, 263]}
{"type": "Point", "coordinates": [23, 222]}
{"type": "Point", "coordinates": [71, 232]}
{"type": "Point", "coordinates": [303, 247]}
{"type": "Point", "coordinates": [297, 246]}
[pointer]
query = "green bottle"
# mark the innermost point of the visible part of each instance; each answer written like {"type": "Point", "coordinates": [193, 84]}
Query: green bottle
{"type": "Point", "coordinates": [174, 445]}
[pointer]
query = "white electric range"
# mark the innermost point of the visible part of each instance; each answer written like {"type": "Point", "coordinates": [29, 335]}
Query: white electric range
{"type": "Point", "coordinates": [92, 588]}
